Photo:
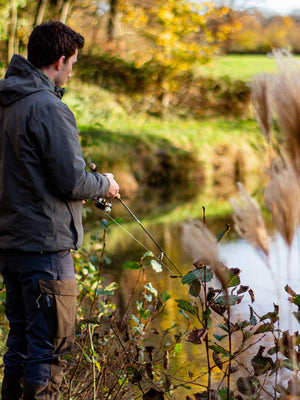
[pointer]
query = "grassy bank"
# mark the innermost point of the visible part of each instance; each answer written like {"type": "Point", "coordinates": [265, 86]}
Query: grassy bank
{"type": "Point", "coordinates": [238, 66]}
{"type": "Point", "coordinates": [157, 151]}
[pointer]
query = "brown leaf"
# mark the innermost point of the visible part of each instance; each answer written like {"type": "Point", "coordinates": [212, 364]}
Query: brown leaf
{"type": "Point", "coordinates": [248, 385]}
{"type": "Point", "coordinates": [150, 351]}
{"type": "Point", "coordinates": [168, 382]}
{"type": "Point", "coordinates": [166, 360]}
{"type": "Point", "coordinates": [153, 394]}
{"type": "Point", "coordinates": [218, 308]}
{"type": "Point", "coordinates": [196, 336]}
{"type": "Point", "coordinates": [149, 370]}
{"type": "Point", "coordinates": [289, 290]}
{"type": "Point", "coordinates": [217, 360]}
{"type": "Point", "coordinates": [250, 291]}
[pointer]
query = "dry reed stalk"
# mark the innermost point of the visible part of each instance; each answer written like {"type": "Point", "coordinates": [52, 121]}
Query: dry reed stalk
{"type": "Point", "coordinates": [248, 221]}
{"type": "Point", "coordinates": [286, 104]}
{"type": "Point", "coordinates": [281, 197]}
{"type": "Point", "coordinates": [261, 100]}
{"type": "Point", "coordinates": [203, 247]}
{"type": "Point", "coordinates": [200, 243]}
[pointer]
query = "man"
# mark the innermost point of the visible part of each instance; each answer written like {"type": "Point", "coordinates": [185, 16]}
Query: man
{"type": "Point", "coordinates": [43, 182]}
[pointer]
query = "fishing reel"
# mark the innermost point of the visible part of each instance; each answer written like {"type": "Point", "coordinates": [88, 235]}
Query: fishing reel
{"type": "Point", "coordinates": [103, 204]}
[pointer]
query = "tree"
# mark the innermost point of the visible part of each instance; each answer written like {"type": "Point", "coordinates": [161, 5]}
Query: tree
{"type": "Point", "coordinates": [174, 36]}
{"type": "Point", "coordinates": [112, 19]}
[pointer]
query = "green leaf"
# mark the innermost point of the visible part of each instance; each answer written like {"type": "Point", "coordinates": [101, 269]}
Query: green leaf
{"type": "Point", "coordinates": [219, 349]}
{"type": "Point", "coordinates": [148, 297]}
{"type": "Point", "coordinates": [230, 300]}
{"type": "Point", "coordinates": [151, 288]}
{"type": "Point", "coordinates": [186, 306]}
{"type": "Point", "coordinates": [136, 319]}
{"type": "Point", "coordinates": [233, 277]}
{"type": "Point", "coordinates": [243, 324]}
{"type": "Point", "coordinates": [296, 300]}
{"type": "Point", "coordinates": [117, 220]}
{"type": "Point", "coordinates": [219, 337]}
{"type": "Point", "coordinates": [165, 296]}
{"type": "Point", "coordinates": [104, 223]}
{"type": "Point", "coordinates": [155, 265]}
{"type": "Point", "coordinates": [148, 254]}
{"type": "Point", "coordinates": [132, 265]}
{"type": "Point", "coordinates": [208, 322]}
{"type": "Point", "coordinates": [112, 286]}
{"type": "Point", "coordinates": [184, 314]}
{"type": "Point", "coordinates": [248, 385]}
{"type": "Point", "coordinates": [247, 335]}
{"type": "Point", "coordinates": [273, 350]}
{"type": "Point", "coordinates": [223, 394]}
{"type": "Point", "coordinates": [289, 365]}
{"type": "Point", "coordinates": [224, 327]}
{"type": "Point", "coordinates": [222, 234]}
{"type": "Point", "coordinates": [234, 281]}
{"type": "Point", "coordinates": [195, 288]}
{"type": "Point", "coordinates": [198, 274]}
{"type": "Point", "coordinates": [260, 363]}
{"type": "Point", "coordinates": [145, 314]}
{"type": "Point", "coordinates": [104, 292]}
{"type": "Point", "coordinates": [297, 315]}
{"type": "Point", "coordinates": [265, 328]}
{"type": "Point", "coordinates": [139, 329]}
{"type": "Point", "coordinates": [178, 347]}
{"type": "Point", "coordinates": [253, 320]}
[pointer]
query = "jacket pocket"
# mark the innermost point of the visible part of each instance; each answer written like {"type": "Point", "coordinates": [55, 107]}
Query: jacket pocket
{"type": "Point", "coordinates": [58, 301]}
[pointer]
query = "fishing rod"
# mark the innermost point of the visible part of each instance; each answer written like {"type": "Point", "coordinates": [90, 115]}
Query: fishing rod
{"type": "Point", "coordinates": [106, 206]}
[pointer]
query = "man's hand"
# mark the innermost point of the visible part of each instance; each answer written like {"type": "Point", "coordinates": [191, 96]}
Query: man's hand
{"type": "Point", "coordinates": [113, 186]}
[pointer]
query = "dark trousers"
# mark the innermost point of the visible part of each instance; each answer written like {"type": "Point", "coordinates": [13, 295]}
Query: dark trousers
{"type": "Point", "coordinates": [40, 306]}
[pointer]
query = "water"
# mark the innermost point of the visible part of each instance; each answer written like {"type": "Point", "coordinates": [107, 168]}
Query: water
{"type": "Point", "coordinates": [267, 283]}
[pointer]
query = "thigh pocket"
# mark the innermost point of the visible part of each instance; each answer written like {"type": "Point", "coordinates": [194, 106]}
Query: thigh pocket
{"type": "Point", "coordinates": [58, 301]}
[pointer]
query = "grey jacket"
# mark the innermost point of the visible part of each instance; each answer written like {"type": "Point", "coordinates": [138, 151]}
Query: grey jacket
{"type": "Point", "coordinates": [42, 172]}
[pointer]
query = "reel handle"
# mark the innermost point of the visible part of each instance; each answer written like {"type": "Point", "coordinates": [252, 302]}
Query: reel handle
{"type": "Point", "coordinates": [93, 167]}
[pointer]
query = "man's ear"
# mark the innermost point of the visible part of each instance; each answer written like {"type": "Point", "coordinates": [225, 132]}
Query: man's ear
{"type": "Point", "coordinates": [59, 62]}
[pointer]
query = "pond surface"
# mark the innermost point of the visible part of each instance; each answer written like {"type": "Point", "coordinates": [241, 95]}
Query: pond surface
{"type": "Point", "coordinates": [129, 242]}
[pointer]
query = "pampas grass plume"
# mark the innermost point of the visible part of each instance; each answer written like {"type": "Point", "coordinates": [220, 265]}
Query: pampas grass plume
{"type": "Point", "coordinates": [281, 197]}
{"type": "Point", "coordinates": [260, 93]}
{"type": "Point", "coordinates": [286, 104]}
{"type": "Point", "coordinates": [204, 248]}
{"type": "Point", "coordinates": [248, 221]}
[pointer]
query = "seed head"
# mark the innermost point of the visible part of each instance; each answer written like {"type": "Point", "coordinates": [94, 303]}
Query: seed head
{"type": "Point", "coordinates": [286, 104]}
{"type": "Point", "coordinates": [248, 221]}
{"type": "Point", "coordinates": [282, 199]}
{"type": "Point", "coordinates": [261, 100]}
{"type": "Point", "coordinates": [204, 248]}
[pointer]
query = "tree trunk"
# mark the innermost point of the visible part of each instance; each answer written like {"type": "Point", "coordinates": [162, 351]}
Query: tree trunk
{"type": "Point", "coordinates": [40, 12]}
{"type": "Point", "coordinates": [111, 26]}
{"type": "Point", "coordinates": [65, 11]}
{"type": "Point", "coordinates": [12, 30]}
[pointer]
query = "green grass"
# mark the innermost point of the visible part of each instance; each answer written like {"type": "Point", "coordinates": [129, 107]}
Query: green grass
{"type": "Point", "coordinates": [242, 67]}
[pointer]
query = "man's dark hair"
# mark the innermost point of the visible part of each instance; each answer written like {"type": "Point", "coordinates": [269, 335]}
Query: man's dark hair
{"type": "Point", "coordinates": [51, 40]}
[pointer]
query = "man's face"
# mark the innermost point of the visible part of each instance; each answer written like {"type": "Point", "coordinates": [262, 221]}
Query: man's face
{"type": "Point", "coordinates": [65, 71]}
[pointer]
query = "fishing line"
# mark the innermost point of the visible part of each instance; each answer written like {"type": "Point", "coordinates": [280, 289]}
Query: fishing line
{"type": "Point", "coordinates": [105, 206]}
{"type": "Point", "coordinates": [140, 243]}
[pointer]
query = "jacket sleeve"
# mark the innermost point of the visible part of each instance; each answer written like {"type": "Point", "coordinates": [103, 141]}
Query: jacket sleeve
{"type": "Point", "coordinates": [57, 135]}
